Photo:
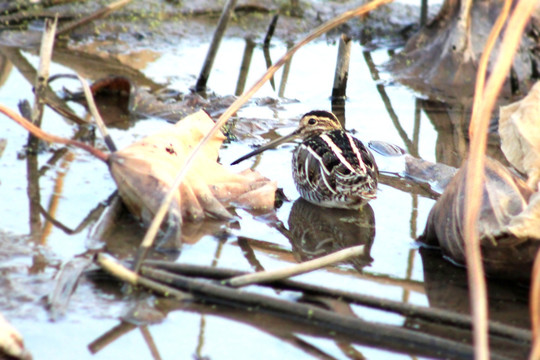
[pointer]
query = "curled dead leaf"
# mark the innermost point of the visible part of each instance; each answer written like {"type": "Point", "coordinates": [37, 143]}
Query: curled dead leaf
{"type": "Point", "coordinates": [519, 129]}
{"type": "Point", "coordinates": [508, 225]}
{"type": "Point", "coordinates": [145, 171]}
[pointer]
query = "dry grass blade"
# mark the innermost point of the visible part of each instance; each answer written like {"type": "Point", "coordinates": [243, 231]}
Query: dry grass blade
{"type": "Point", "coordinates": [534, 303]}
{"type": "Point", "coordinates": [478, 128]}
{"type": "Point", "coordinates": [302, 268]}
{"type": "Point", "coordinates": [482, 66]}
{"type": "Point", "coordinates": [160, 215]}
{"type": "Point", "coordinates": [36, 131]}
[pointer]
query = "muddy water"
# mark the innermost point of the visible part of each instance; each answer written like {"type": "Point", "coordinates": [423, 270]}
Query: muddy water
{"type": "Point", "coordinates": [33, 249]}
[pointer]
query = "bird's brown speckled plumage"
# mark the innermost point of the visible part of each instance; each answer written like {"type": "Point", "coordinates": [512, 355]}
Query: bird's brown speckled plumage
{"type": "Point", "coordinates": [330, 167]}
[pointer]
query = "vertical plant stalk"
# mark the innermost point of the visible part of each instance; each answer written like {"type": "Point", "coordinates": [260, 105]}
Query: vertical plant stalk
{"type": "Point", "coordinates": [423, 12]}
{"type": "Point", "coordinates": [485, 98]}
{"type": "Point", "coordinates": [342, 68]}
{"type": "Point", "coordinates": [244, 67]}
{"type": "Point", "coordinates": [42, 79]}
{"type": "Point", "coordinates": [153, 229]}
{"type": "Point", "coordinates": [214, 45]}
{"type": "Point", "coordinates": [55, 196]}
{"type": "Point", "coordinates": [35, 115]}
{"type": "Point", "coordinates": [270, 32]}
{"type": "Point", "coordinates": [285, 74]}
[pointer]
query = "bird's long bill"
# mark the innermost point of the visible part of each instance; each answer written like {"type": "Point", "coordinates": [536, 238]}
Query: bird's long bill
{"type": "Point", "coordinates": [272, 144]}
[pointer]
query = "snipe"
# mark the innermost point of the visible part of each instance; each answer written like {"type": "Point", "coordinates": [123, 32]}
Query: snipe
{"type": "Point", "coordinates": [330, 167]}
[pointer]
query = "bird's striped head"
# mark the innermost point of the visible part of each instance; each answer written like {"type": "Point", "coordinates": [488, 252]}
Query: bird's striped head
{"type": "Point", "coordinates": [313, 123]}
{"type": "Point", "coordinates": [316, 122]}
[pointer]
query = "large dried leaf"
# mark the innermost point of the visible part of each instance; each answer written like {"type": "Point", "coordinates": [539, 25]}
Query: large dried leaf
{"type": "Point", "coordinates": [519, 128]}
{"type": "Point", "coordinates": [145, 171]}
{"type": "Point", "coordinates": [508, 224]}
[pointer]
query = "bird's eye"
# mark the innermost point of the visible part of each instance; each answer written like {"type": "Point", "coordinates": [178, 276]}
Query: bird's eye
{"type": "Point", "coordinates": [312, 121]}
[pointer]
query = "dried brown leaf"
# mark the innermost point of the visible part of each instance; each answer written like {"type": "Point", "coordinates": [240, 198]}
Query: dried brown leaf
{"type": "Point", "coordinates": [145, 171]}
{"type": "Point", "coordinates": [519, 128]}
{"type": "Point", "coordinates": [508, 223]}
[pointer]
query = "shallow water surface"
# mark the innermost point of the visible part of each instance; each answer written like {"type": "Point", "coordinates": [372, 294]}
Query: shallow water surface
{"type": "Point", "coordinates": [33, 251]}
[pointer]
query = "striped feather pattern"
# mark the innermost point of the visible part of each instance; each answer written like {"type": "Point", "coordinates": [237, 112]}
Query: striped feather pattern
{"type": "Point", "coordinates": [331, 168]}
{"type": "Point", "coordinates": [334, 169]}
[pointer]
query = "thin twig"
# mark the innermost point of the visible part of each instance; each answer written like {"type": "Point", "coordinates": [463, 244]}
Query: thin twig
{"type": "Point", "coordinates": [110, 336]}
{"type": "Point", "coordinates": [388, 104]}
{"type": "Point", "coordinates": [49, 137]}
{"type": "Point", "coordinates": [307, 266]}
{"type": "Point", "coordinates": [150, 342]}
{"type": "Point", "coordinates": [109, 264]}
{"type": "Point", "coordinates": [475, 168]}
{"type": "Point", "coordinates": [95, 113]}
{"type": "Point", "coordinates": [92, 216]}
{"type": "Point", "coordinates": [234, 107]}
{"type": "Point", "coordinates": [28, 71]}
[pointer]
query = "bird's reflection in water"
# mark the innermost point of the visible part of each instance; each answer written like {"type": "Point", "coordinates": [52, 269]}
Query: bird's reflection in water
{"type": "Point", "coordinates": [316, 231]}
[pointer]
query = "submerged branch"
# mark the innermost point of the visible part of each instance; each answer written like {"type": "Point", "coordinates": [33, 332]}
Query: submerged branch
{"type": "Point", "coordinates": [109, 264]}
{"type": "Point", "coordinates": [375, 334]}
{"type": "Point", "coordinates": [409, 310]}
